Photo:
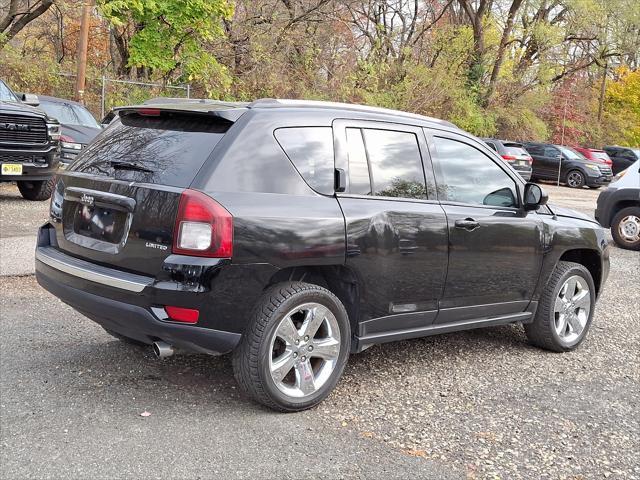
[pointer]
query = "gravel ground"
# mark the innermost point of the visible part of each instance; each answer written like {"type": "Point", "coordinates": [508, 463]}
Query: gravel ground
{"type": "Point", "coordinates": [478, 404]}
{"type": "Point", "coordinates": [19, 222]}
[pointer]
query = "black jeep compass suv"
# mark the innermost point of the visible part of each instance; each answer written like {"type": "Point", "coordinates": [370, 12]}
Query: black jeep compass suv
{"type": "Point", "coordinates": [295, 233]}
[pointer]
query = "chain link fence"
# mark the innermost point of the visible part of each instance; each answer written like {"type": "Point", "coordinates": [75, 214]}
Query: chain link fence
{"type": "Point", "coordinates": [104, 93]}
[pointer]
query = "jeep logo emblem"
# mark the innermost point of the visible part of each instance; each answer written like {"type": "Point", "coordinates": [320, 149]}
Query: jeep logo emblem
{"type": "Point", "coordinates": [15, 127]}
{"type": "Point", "coordinates": [87, 200]}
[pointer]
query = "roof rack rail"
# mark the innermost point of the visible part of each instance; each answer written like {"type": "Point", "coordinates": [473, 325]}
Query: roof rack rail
{"type": "Point", "coordinates": [276, 102]}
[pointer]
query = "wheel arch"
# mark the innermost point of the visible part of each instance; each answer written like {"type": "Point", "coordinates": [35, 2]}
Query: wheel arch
{"type": "Point", "coordinates": [588, 258]}
{"type": "Point", "coordinates": [338, 279]}
{"type": "Point", "coordinates": [621, 204]}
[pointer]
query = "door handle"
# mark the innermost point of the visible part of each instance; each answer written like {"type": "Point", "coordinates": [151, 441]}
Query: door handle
{"type": "Point", "coordinates": [467, 224]}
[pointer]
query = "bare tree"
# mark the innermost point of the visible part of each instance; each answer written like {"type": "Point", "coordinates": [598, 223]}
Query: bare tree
{"type": "Point", "coordinates": [19, 14]}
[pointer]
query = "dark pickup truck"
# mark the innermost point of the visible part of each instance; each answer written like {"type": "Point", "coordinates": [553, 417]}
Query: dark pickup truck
{"type": "Point", "coordinates": [29, 146]}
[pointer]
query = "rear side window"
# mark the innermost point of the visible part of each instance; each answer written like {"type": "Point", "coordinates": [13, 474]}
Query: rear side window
{"type": "Point", "coordinates": [385, 163]}
{"type": "Point", "coordinates": [492, 146]}
{"type": "Point", "coordinates": [311, 151]}
{"type": "Point", "coordinates": [166, 149]}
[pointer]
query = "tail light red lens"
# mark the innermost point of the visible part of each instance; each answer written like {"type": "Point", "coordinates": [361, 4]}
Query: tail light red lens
{"type": "Point", "coordinates": [184, 315]}
{"type": "Point", "coordinates": [509, 158]}
{"type": "Point", "coordinates": [203, 228]}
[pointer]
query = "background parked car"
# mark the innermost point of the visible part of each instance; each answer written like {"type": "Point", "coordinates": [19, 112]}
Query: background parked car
{"type": "Point", "coordinates": [79, 127]}
{"type": "Point", "coordinates": [622, 157]}
{"type": "Point", "coordinates": [28, 144]}
{"type": "Point", "coordinates": [514, 153]}
{"type": "Point", "coordinates": [595, 155]}
{"type": "Point", "coordinates": [575, 170]}
{"type": "Point", "coordinates": [618, 207]}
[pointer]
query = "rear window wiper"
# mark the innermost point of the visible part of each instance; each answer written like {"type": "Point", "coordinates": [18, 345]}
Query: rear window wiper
{"type": "Point", "coordinates": [130, 166]}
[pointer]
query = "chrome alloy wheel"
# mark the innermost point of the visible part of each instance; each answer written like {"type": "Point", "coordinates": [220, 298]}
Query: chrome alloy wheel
{"type": "Point", "coordinates": [572, 308]}
{"type": "Point", "coordinates": [629, 228]}
{"type": "Point", "coordinates": [304, 350]}
{"type": "Point", "coordinates": [575, 179]}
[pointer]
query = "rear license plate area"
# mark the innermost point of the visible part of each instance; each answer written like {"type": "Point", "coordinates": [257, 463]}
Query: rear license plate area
{"type": "Point", "coordinates": [99, 223]}
{"type": "Point", "coordinates": [96, 220]}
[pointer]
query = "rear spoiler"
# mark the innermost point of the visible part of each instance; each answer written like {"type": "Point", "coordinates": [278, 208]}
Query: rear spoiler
{"type": "Point", "coordinates": [229, 111]}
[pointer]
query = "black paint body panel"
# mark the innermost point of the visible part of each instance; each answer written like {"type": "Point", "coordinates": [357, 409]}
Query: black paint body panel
{"type": "Point", "coordinates": [410, 270]}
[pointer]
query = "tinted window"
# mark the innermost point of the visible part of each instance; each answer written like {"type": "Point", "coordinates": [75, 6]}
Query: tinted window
{"type": "Point", "coordinates": [534, 149]}
{"type": "Point", "coordinates": [515, 151]}
{"type": "Point", "coordinates": [6, 94]}
{"type": "Point", "coordinates": [359, 182]}
{"type": "Point", "coordinates": [551, 152]}
{"type": "Point", "coordinates": [396, 164]}
{"type": "Point", "coordinates": [311, 151]}
{"type": "Point", "coordinates": [571, 154]}
{"type": "Point", "coordinates": [167, 149]}
{"type": "Point", "coordinates": [469, 176]}
{"type": "Point", "coordinates": [69, 114]}
{"type": "Point", "coordinates": [492, 146]}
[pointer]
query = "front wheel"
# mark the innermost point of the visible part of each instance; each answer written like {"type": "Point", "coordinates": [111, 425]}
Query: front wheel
{"type": "Point", "coordinates": [35, 190]}
{"type": "Point", "coordinates": [625, 228]}
{"type": "Point", "coordinates": [565, 310]}
{"type": "Point", "coordinates": [575, 179]}
{"type": "Point", "coordinates": [294, 348]}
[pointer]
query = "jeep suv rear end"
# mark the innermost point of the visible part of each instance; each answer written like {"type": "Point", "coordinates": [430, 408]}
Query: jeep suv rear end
{"type": "Point", "coordinates": [295, 233]}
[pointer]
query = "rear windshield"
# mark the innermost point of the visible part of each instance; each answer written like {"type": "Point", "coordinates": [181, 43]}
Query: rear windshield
{"type": "Point", "coordinates": [516, 151]}
{"type": "Point", "coordinates": [167, 149]}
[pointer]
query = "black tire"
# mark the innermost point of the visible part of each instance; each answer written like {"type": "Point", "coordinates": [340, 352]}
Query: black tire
{"type": "Point", "coordinates": [575, 179]}
{"type": "Point", "coordinates": [37, 190]}
{"type": "Point", "coordinates": [594, 187]}
{"type": "Point", "coordinates": [615, 228]}
{"type": "Point", "coordinates": [252, 357]}
{"type": "Point", "coordinates": [122, 338]}
{"type": "Point", "coordinates": [542, 332]}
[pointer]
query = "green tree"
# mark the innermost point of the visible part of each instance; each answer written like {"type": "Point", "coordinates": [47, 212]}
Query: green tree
{"type": "Point", "coordinates": [170, 36]}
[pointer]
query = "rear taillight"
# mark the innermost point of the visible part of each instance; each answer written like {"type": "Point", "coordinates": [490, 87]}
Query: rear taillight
{"type": "Point", "coordinates": [530, 160]}
{"type": "Point", "coordinates": [204, 228]}
{"type": "Point", "coordinates": [509, 158]}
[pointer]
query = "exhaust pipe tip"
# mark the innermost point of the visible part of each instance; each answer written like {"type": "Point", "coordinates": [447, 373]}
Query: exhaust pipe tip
{"type": "Point", "coordinates": [162, 349]}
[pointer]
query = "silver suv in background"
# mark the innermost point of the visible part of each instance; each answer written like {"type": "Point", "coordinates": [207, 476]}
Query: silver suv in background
{"type": "Point", "coordinates": [514, 154]}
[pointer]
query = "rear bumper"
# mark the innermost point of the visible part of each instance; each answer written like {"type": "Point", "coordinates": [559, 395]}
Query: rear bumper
{"type": "Point", "coordinates": [100, 294]}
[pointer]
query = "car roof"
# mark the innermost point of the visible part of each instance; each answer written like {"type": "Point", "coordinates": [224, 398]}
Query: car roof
{"type": "Point", "coordinates": [232, 110]}
{"type": "Point", "coordinates": [47, 98]}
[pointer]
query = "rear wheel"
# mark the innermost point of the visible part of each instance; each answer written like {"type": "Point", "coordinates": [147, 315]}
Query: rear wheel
{"type": "Point", "coordinates": [295, 347]}
{"type": "Point", "coordinates": [625, 228]}
{"type": "Point", "coordinates": [565, 310]}
{"type": "Point", "coordinates": [36, 190]}
{"type": "Point", "coordinates": [575, 179]}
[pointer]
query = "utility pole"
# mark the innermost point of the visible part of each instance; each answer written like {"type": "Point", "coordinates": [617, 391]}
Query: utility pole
{"type": "Point", "coordinates": [603, 91]}
{"type": "Point", "coordinates": [83, 43]}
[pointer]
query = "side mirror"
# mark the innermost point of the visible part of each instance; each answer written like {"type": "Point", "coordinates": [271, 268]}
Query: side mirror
{"type": "Point", "coordinates": [29, 99]}
{"type": "Point", "coordinates": [534, 196]}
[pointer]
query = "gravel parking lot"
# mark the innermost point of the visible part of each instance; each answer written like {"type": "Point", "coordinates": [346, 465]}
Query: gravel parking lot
{"type": "Point", "coordinates": [478, 404]}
